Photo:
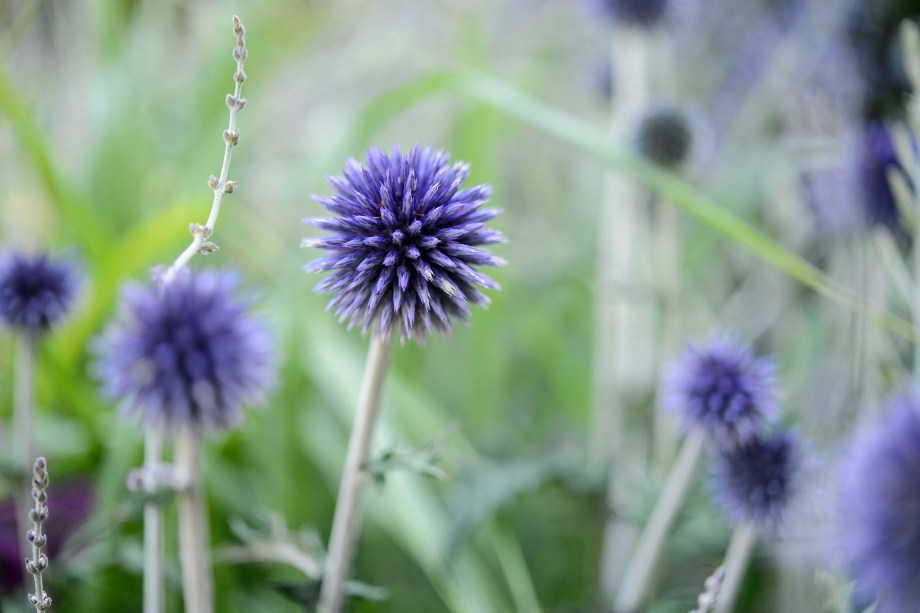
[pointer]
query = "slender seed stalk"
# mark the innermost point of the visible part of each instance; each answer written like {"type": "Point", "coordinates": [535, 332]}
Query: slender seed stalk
{"type": "Point", "coordinates": [639, 574]}
{"type": "Point", "coordinates": [737, 557]}
{"type": "Point", "coordinates": [194, 540]}
{"type": "Point", "coordinates": [346, 522]}
{"type": "Point", "coordinates": [37, 564]}
{"type": "Point", "coordinates": [667, 238]}
{"type": "Point", "coordinates": [23, 428]}
{"type": "Point", "coordinates": [153, 524]}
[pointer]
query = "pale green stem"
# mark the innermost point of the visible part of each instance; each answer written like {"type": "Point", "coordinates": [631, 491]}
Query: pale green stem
{"type": "Point", "coordinates": [916, 265]}
{"type": "Point", "coordinates": [622, 230]}
{"type": "Point", "coordinates": [194, 537]}
{"type": "Point", "coordinates": [667, 239]}
{"type": "Point", "coordinates": [737, 558]}
{"type": "Point", "coordinates": [23, 429]}
{"type": "Point", "coordinates": [153, 524]}
{"type": "Point", "coordinates": [346, 522]}
{"type": "Point", "coordinates": [514, 566]}
{"type": "Point", "coordinates": [639, 574]}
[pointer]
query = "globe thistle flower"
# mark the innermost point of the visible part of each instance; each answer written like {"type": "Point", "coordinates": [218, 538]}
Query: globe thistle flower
{"type": "Point", "coordinates": [723, 388]}
{"type": "Point", "coordinates": [664, 137]}
{"type": "Point", "coordinates": [35, 292]}
{"type": "Point", "coordinates": [756, 479]}
{"type": "Point", "coordinates": [187, 353]}
{"type": "Point", "coordinates": [634, 13]}
{"type": "Point", "coordinates": [405, 243]}
{"type": "Point", "coordinates": [879, 508]}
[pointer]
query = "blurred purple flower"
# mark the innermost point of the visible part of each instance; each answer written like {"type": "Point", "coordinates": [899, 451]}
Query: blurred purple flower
{"type": "Point", "coordinates": [636, 13]}
{"type": "Point", "coordinates": [664, 136]}
{"type": "Point", "coordinates": [757, 479]}
{"type": "Point", "coordinates": [876, 156]}
{"type": "Point", "coordinates": [880, 508]}
{"type": "Point", "coordinates": [405, 243]}
{"type": "Point", "coordinates": [70, 503]}
{"type": "Point", "coordinates": [35, 291]}
{"type": "Point", "coordinates": [187, 352]}
{"type": "Point", "coordinates": [723, 388]}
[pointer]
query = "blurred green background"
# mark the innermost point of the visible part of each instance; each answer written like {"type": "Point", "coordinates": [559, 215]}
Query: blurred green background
{"type": "Point", "coordinates": [111, 114]}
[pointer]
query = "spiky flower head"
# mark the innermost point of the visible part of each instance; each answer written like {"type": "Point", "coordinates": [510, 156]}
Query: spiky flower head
{"type": "Point", "coordinates": [633, 13]}
{"type": "Point", "coordinates": [723, 388]}
{"type": "Point", "coordinates": [757, 479]}
{"type": "Point", "coordinates": [35, 291]}
{"type": "Point", "coordinates": [664, 136]}
{"type": "Point", "coordinates": [405, 243]}
{"type": "Point", "coordinates": [187, 352]}
{"type": "Point", "coordinates": [879, 508]}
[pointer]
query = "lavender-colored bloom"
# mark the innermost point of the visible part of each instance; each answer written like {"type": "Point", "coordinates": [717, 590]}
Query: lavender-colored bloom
{"type": "Point", "coordinates": [637, 13]}
{"type": "Point", "coordinates": [187, 352]}
{"type": "Point", "coordinates": [35, 292]}
{"type": "Point", "coordinates": [880, 508]}
{"type": "Point", "coordinates": [723, 388]}
{"type": "Point", "coordinates": [876, 156]}
{"type": "Point", "coordinates": [405, 243]}
{"type": "Point", "coordinates": [756, 479]}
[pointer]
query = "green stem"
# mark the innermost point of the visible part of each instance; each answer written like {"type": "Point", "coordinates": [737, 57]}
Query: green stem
{"type": "Point", "coordinates": [736, 562]}
{"type": "Point", "coordinates": [23, 428]}
{"type": "Point", "coordinates": [346, 522]}
{"type": "Point", "coordinates": [639, 574]}
{"type": "Point", "coordinates": [153, 524]}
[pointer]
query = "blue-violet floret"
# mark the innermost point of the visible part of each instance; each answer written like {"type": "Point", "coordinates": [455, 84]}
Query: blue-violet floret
{"type": "Point", "coordinates": [36, 292]}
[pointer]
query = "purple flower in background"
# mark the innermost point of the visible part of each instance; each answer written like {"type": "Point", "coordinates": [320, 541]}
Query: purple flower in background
{"type": "Point", "coordinates": [35, 292]}
{"type": "Point", "coordinates": [405, 243]}
{"type": "Point", "coordinates": [638, 13]}
{"type": "Point", "coordinates": [880, 508]}
{"type": "Point", "coordinates": [756, 479]}
{"type": "Point", "coordinates": [723, 388]}
{"type": "Point", "coordinates": [664, 136]}
{"type": "Point", "coordinates": [187, 352]}
{"type": "Point", "coordinates": [876, 156]}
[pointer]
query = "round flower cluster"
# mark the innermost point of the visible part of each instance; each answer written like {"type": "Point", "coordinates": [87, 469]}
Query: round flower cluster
{"type": "Point", "coordinates": [35, 292]}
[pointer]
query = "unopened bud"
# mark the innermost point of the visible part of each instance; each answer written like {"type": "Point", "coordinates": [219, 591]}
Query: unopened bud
{"type": "Point", "coordinates": [229, 187]}
{"type": "Point", "coordinates": [231, 101]}
{"type": "Point", "coordinates": [231, 136]}
{"type": "Point", "coordinates": [212, 182]}
{"type": "Point", "coordinates": [240, 103]}
{"type": "Point", "coordinates": [239, 76]}
{"type": "Point", "coordinates": [208, 248]}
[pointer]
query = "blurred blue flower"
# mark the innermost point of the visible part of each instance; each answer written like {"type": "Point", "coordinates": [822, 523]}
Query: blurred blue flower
{"type": "Point", "coordinates": [723, 388]}
{"type": "Point", "coordinates": [35, 291]}
{"type": "Point", "coordinates": [638, 13]}
{"type": "Point", "coordinates": [187, 352]}
{"type": "Point", "coordinates": [875, 157]}
{"type": "Point", "coordinates": [757, 479]}
{"type": "Point", "coordinates": [880, 508]}
{"type": "Point", "coordinates": [405, 243]}
{"type": "Point", "coordinates": [664, 136]}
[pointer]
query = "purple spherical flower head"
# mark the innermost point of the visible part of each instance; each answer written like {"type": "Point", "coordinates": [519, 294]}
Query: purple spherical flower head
{"type": "Point", "coordinates": [756, 479]}
{"type": "Point", "coordinates": [880, 508]}
{"type": "Point", "coordinates": [636, 13]}
{"type": "Point", "coordinates": [35, 292]}
{"type": "Point", "coordinates": [723, 388]}
{"type": "Point", "coordinates": [405, 241]}
{"type": "Point", "coordinates": [187, 353]}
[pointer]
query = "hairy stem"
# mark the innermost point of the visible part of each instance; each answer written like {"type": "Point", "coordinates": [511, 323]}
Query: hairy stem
{"type": "Point", "coordinates": [194, 539]}
{"type": "Point", "coordinates": [23, 428]}
{"type": "Point", "coordinates": [153, 524]}
{"type": "Point", "coordinates": [736, 562]}
{"type": "Point", "coordinates": [639, 574]}
{"type": "Point", "coordinates": [37, 564]}
{"type": "Point", "coordinates": [346, 522]}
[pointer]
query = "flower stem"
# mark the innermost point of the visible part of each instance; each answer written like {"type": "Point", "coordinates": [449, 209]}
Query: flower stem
{"type": "Point", "coordinates": [736, 561]}
{"type": "Point", "coordinates": [194, 537]}
{"type": "Point", "coordinates": [37, 564]}
{"type": "Point", "coordinates": [346, 524]}
{"type": "Point", "coordinates": [153, 524]}
{"type": "Point", "coordinates": [23, 429]}
{"type": "Point", "coordinates": [219, 185]}
{"type": "Point", "coordinates": [638, 578]}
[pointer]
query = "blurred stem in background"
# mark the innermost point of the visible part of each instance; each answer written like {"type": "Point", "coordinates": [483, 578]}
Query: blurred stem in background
{"type": "Point", "coordinates": [737, 558]}
{"type": "Point", "coordinates": [621, 312]}
{"type": "Point", "coordinates": [910, 44]}
{"type": "Point", "coordinates": [346, 523]}
{"type": "Point", "coordinates": [194, 544]}
{"type": "Point", "coordinates": [23, 429]}
{"type": "Point", "coordinates": [640, 573]}
{"type": "Point", "coordinates": [153, 523]}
